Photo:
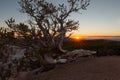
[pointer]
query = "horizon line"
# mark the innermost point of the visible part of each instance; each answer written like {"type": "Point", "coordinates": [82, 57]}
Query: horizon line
{"type": "Point", "coordinates": [101, 36]}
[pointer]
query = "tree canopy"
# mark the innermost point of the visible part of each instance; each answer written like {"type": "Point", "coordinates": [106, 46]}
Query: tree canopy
{"type": "Point", "coordinates": [53, 20]}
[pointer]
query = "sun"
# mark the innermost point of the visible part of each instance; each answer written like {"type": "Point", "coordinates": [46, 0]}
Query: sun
{"type": "Point", "coordinates": [77, 37]}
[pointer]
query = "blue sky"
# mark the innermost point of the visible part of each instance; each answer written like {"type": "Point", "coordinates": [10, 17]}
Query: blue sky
{"type": "Point", "coordinates": [102, 17]}
{"type": "Point", "coordinates": [10, 8]}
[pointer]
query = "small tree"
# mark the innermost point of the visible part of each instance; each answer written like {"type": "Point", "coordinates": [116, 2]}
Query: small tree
{"type": "Point", "coordinates": [53, 20]}
{"type": "Point", "coordinates": [21, 30]}
{"type": "Point", "coordinates": [6, 35]}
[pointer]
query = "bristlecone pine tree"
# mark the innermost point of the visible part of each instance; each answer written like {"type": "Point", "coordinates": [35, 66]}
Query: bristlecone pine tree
{"type": "Point", "coordinates": [52, 20]}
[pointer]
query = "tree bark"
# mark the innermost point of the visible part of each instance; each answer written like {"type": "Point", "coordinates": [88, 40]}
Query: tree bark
{"type": "Point", "coordinates": [61, 43]}
{"type": "Point", "coordinates": [61, 49]}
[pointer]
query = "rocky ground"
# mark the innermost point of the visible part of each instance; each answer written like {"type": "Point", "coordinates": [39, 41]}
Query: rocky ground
{"type": "Point", "coordinates": [84, 68]}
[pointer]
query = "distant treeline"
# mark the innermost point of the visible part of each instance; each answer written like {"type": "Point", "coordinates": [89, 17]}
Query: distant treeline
{"type": "Point", "coordinates": [103, 47]}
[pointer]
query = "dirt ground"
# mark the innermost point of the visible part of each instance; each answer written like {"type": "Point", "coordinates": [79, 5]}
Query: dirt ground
{"type": "Point", "coordinates": [94, 68]}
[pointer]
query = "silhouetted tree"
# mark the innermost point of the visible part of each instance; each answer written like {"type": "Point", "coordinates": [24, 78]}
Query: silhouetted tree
{"type": "Point", "coordinates": [21, 30]}
{"type": "Point", "coordinates": [53, 20]}
{"type": "Point", "coordinates": [3, 32]}
{"type": "Point", "coordinates": [6, 35]}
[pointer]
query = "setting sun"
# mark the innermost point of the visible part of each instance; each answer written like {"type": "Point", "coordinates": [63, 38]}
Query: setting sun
{"type": "Point", "coordinates": [77, 37]}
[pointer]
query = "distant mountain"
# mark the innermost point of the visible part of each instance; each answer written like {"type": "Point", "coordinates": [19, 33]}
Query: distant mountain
{"type": "Point", "coordinates": [115, 38]}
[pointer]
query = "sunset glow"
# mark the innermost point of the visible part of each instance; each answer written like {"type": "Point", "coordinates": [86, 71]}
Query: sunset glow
{"type": "Point", "coordinates": [76, 38]}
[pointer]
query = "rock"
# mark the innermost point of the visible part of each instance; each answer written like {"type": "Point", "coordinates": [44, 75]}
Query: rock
{"type": "Point", "coordinates": [19, 54]}
{"type": "Point", "coordinates": [61, 60]}
{"type": "Point", "coordinates": [13, 52]}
